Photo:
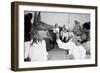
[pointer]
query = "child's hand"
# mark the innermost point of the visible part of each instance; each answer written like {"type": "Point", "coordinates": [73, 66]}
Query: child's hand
{"type": "Point", "coordinates": [77, 38]}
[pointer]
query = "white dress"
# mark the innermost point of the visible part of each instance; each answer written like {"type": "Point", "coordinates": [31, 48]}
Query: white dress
{"type": "Point", "coordinates": [65, 34]}
{"type": "Point", "coordinates": [38, 52]}
{"type": "Point", "coordinates": [27, 49]}
{"type": "Point", "coordinates": [56, 30]}
{"type": "Point", "coordinates": [77, 51]}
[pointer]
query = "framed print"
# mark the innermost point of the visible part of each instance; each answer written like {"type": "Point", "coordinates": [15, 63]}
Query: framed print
{"type": "Point", "coordinates": [52, 36]}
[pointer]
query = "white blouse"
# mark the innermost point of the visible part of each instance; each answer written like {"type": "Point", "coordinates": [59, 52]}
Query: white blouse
{"type": "Point", "coordinates": [38, 52]}
{"type": "Point", "coordinates": [77, 51]}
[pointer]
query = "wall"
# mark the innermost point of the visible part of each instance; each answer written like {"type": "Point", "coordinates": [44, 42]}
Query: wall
{"type": "Point", "coordinates": [5, 37]}
{"type": "Point", "coordinates": [61, 19]}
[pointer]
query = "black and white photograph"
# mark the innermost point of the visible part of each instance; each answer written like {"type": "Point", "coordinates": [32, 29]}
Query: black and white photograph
{"type": "Point", "coordinates": [56, 36]}
{"type": "Point", "coordinates": [51, 36]}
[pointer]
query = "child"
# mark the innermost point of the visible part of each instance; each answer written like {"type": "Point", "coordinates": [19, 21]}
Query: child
{"type": "Point", "coordinates": [75, 48]}
{"type": "Point", "coordinates": [56, 30]}
{"type": "Point", "coordinates": [86, 38]}
{"type": "Point", "coordinates": [38, 49]}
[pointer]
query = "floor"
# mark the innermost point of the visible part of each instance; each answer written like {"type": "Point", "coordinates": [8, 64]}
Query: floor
{"type": "Point", "coordinates": [57, 54]}
{"type": "Point", "coordinates": [60, 54]}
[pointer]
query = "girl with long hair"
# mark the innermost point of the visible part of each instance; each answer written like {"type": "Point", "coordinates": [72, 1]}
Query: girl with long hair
{"type": "Point", "coordinates": [38, 50]}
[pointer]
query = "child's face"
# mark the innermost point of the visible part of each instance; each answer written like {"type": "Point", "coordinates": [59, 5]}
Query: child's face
{"type": "Point", "coordinates": [86, 30]}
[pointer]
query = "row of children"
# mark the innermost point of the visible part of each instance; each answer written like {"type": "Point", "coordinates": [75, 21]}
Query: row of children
{"type": "Point", "coordinates": [76, 42]}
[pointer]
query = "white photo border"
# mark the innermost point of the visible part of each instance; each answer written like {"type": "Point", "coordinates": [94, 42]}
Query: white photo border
{"type": "Point", "coordinates": [23, 64]}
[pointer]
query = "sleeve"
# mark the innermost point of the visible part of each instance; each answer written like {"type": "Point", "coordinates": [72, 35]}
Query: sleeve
{"type": "Point", "coordinates": [63, 45]}
{"type": "Point", "coordinates": [27, 48]}
{"type": "Point", "coordinates": [44, 43]}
